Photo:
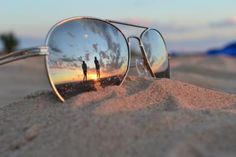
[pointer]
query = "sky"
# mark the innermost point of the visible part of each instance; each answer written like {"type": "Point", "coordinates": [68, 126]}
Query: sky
{"type": "Point", "coordinates": [187, 26]}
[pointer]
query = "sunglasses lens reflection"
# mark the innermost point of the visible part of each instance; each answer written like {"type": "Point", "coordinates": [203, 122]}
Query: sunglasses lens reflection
{"type": "Point", "coordinates": [137, 62]}
{"type": "Point", "coordinates": [86, 54]}
{"type": "Point", "coordinates": [156, 52]}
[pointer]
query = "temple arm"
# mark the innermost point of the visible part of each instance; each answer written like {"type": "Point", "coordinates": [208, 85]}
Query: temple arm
{"type": "Point", "coordinates": [22, 54]}
{"type": "Point", "coordinates": [127, 24]}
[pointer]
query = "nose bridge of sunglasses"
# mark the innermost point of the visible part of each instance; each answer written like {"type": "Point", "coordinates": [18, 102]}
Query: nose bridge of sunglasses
{"type": "Point", "coordinates": [129, 29]}
{"type": "Point", "coordinates": [138, 63]}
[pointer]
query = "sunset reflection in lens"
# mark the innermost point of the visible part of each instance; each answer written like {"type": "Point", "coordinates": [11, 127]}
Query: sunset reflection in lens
{"type": "Point", "coordinates": [86, 52]}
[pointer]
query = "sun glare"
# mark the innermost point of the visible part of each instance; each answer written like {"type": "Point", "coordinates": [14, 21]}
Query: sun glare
{"type": "Point", "coordinates": [92, 77]}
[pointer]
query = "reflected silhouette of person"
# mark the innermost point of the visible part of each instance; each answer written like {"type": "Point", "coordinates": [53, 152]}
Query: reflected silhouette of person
{"type": "Point", "coordinates": [97, 65]}
{"type": "Point", "coordinates": [84, 67]}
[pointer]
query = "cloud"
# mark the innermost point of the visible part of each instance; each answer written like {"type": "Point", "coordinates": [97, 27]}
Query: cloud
{"type": "Point", "coordinates": [165, 27]}
{"type": "Point", "coordinates": [87, 56]}
{"type": "Point", "coordinates": [55, 49]}
{"type": "Point", "coordinates": [191, 36]}
{"type": "Point", "coordinates": [95, 46]}
{"type": "Point", "coordinates": [71, 34]}
{"type": "Point", "coordinates": [224, 23]}
{"type": "Point", "coordinates": [179, 36]}
{"type": "Point", "coordinates": [67, 59]}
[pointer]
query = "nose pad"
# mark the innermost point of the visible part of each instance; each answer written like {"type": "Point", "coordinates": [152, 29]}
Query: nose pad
{"type": "Point", "coordinates": [137, 63]}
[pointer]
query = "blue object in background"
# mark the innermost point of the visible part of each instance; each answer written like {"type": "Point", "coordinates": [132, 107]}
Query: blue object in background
{"type": "Point", "coordinates": [229, 50]}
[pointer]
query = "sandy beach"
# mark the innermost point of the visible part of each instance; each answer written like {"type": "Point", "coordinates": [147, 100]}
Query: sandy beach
{"type": "Point", "coordinates": [212, 72]}
{"type": "Point", "coordinates": [192, 114]}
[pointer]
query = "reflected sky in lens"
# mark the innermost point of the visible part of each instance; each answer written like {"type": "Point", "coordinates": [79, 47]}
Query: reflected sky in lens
{"type": "Point", "coordinates": [81, 40]}
{"type": "Point", "coordinates": [155, 50]}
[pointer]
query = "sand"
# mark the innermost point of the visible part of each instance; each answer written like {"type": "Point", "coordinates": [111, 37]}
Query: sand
{"type": "Point", "coordinates": [212, 72]}
{"type": "Point", "coordinates": [143, 117]}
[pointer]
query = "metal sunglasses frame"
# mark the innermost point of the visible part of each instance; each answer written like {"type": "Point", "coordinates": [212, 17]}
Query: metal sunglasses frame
{"type": "Point", "coordinates": [43, 50]}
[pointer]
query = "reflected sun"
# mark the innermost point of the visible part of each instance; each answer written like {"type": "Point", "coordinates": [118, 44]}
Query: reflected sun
{"type": "Point", "coordinates": [92, 77]}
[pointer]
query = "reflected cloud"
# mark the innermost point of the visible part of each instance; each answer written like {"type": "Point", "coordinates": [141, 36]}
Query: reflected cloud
{"type": "Point", "coordinates": [71, 35]}
{"type": "Point", "coordinates": [95, 46]}
{"type": "Point", "coordinates": [68, 59]}
{"type": "Point", "coordinates": [55, 49]}
{"type": "Point", "coordinates": [80, 59]}
{"type": "Point", "coordinates": [87, 57]}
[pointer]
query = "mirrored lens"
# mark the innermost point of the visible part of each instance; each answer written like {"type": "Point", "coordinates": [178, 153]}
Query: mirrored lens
{"type": "Point", "coordinates": [86, 54]}
{"type": "Point", "coordinates": [156, 52]}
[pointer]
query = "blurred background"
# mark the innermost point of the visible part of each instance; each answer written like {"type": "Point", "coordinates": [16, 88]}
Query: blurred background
{"type": "Point", "coordinates": [188, 26]}
{"type": "Point", "coordinates": [202, 32]}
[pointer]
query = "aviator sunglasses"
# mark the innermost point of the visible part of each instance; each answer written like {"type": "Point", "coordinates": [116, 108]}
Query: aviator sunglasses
{"type": "Point", "coordinates": [84, 54]}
